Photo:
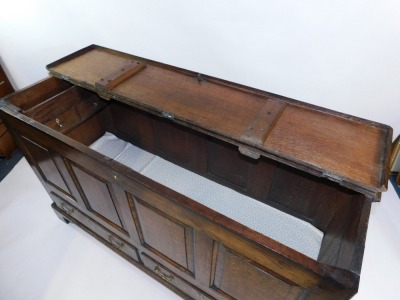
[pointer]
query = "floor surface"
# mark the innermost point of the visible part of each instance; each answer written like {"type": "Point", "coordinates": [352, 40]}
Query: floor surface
{"type": "Point", "coordinates": [6, 165]}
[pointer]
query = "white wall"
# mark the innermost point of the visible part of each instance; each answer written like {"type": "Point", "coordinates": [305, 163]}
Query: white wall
{"type": "Point", "coordinates": [343, 55]}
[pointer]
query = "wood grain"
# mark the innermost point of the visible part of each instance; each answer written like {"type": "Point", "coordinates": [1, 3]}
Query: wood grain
{"type": "Point", "coordinates": [7, 145]}
{"type": "Point", "coordinates": [305, 136]}
{"type": "Point", "coordinates": [198, 122]}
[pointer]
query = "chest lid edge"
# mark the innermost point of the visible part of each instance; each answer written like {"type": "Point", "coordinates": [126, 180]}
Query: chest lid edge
{"type": "Point", "coordinates": [342, 148]}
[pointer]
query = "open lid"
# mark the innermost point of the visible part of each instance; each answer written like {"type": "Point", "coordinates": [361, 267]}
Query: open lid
{"type": "Point", "coordinates": [348, 150]}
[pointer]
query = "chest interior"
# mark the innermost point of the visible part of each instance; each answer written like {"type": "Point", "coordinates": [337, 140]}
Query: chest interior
{"type": "Point", "coordinates": [312, 215]}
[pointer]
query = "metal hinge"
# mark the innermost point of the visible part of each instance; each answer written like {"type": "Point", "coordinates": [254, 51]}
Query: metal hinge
{"type": "Point", "coordinates": [249, 152]}
{"type": "Point", "coordinates": [333, 177]}
{"type": "Point", "coordinates": [167, 115]}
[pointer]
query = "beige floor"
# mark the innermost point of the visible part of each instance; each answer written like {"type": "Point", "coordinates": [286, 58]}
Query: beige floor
{"type": "Point", "coordinates": [42, 258]}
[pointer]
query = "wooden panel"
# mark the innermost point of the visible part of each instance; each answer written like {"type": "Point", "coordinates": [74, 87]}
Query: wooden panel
{"type": "Point", "coordinates": [199, 102]}
{"type": "Point", "coordinates": [119, 75]}
{"type": "Point", "coordinates": [170, 238]}
{"type": "Point", "coordinates": [355, 235]}
{"type": "Point", "coordinates": [228, 164]}
{"type": "Point", "coordinates": [238, 278]}
{"type": "Point", "coordinates": [55, 106]}
{"type": "Point", "coordinates": [75, 215]}
{"type": "Point", "coordinates": [94, 186]}
{"type": "Point", "coordinates": [5, 84]}
{"type": "Point", "coordinates": [87, 132]}
{"type": "Point", "coordinates": [3, 128]}
{"type": "Point", "coordinates": [169, 140]}
{"type": "Point", "coordinates": [171, 278]}
{"type": "Point", "coordinates": [44, 161]}
{"type": "Point", "coordinates": [203, 255]}
{"type": "Point", "coordinates": [231, 234]}
{"type": "Point", "coordinates": [172, 142]}
{"type": "Point", "coordinates": [95, 64]}
{"type": "Point", "coordinates": [75, 115]}
{"type": "Point", "coordinates": [39, 92]}
{"type": "Point", "coordinates": [261, 178]}
{"type": "Point", "coordinates": [62, 167]}
{"type": "Point", "coordinates": [92, 66]}
{"type": "Point", "coordinates": [131, 125]}
{"type": "Point", "coordinates": [7, 145]}
{"type": "Point", "coordinates": [262, 123]}
{"type": "Point", "coordinates": [97, 194]}
{"type": "Point", "coordinates": [336, 217]}
{"type": "Point", "coordinates": [206, 156]}
{"type": "Point", "coordinates": [300, 192]}
{"type": "Point", "coordinates": [65, 121]}
{"type": "Point", "coordinates": [345, 148]}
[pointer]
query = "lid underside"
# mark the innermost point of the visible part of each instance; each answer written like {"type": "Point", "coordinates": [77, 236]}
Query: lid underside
{"type": "Point", "coordinates": [342, 148]}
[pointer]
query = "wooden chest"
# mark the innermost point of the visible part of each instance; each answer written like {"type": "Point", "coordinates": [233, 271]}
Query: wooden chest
{"type": "Point", "coordinates": [217, 190]}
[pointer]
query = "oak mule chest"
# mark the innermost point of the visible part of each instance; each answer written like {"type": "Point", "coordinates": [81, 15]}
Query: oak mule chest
{"type": "Point", "coordinates": [217, 190]}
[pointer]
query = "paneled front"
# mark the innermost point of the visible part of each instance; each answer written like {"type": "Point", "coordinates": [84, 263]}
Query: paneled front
{"type": "Point", "coordinates": [97, 194]}
{"type": "Point", "coordinates": [45, 164]}
{"type": "Point", "coordinates": [70, 213]}
{"type": "Point", "coordinates": [166, 237]}
{"type": "Point", "coordinates": [91, 188]}
{"type": "Point", "coordinates": [105, 200]}
{"type": "Point", "coordinates": [233, 273]}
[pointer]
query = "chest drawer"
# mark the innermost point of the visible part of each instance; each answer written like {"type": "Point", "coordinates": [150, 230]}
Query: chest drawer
{"type": "Point", "coordinates": [171, 278]}
{"type": "Point", "coordinates": [74, 215]}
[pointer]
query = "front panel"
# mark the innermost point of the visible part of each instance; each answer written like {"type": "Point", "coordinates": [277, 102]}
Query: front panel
{"type": "Point", "coordinates": [166, 237]}
{"type": "Point", "coordinates": [234, 274]}
{"type": "Point", "coordinates": [79, 180]}
{"type": "Point", "coordinates": [97, 195]}
{"type": "Point", "coordinates": [43, 159]}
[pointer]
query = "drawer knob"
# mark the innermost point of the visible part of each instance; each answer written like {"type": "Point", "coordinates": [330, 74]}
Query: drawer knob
{"type": "Point", "coordinates": [2, 82]}
{"type": "Point", "coordinates": [167, 278]}
{"type": "Point", "coordinates": [68, 210]}
{"type": "Point", "coordinates": [115, 243]}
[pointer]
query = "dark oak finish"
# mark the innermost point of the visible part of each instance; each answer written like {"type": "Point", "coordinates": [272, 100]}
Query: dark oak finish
{"type": "Point", "coordinates": [234, 274]}
{"type": "Point", "coordinates": [305, 136]}
{"type": "Point", "coordinates": [7, 145]}
{"type": "Point", "coordinates": [277, 151]}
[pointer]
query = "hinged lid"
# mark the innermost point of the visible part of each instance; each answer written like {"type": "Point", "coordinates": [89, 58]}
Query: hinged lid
{"type": "Point", "coordinates": [348, 150]}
